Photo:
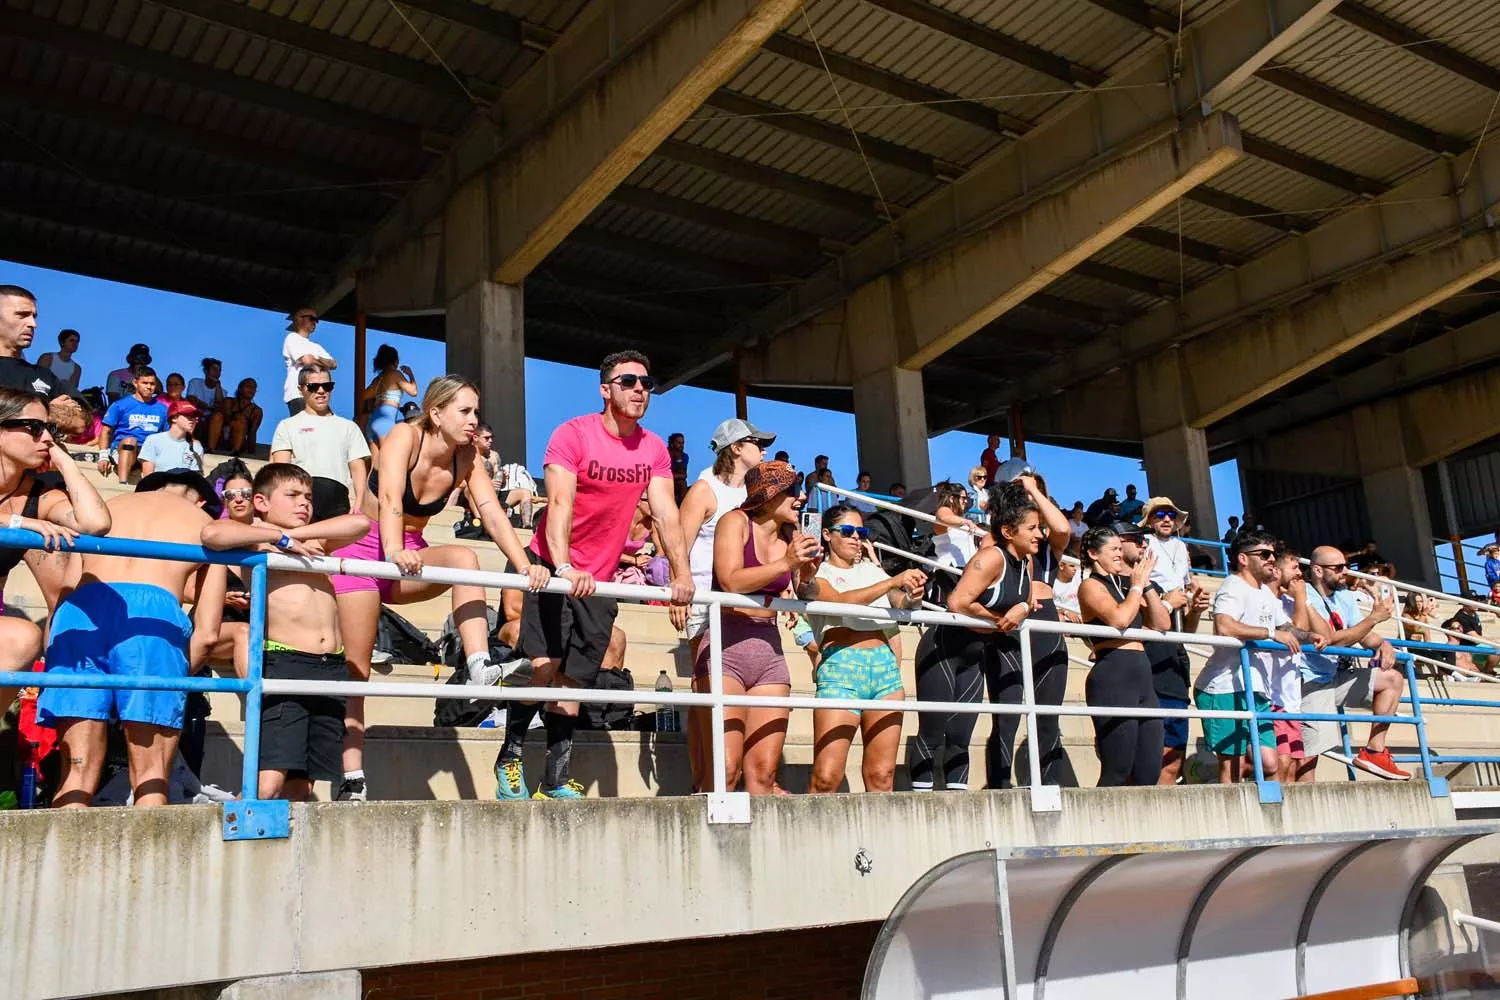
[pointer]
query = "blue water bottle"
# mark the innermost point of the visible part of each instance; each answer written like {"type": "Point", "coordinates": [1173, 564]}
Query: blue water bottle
{"type": "Point", "coordinates": [29, 778]}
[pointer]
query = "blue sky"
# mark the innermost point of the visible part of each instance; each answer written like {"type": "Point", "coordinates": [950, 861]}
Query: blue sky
{"type": "Point", "coordinates": [181, 329]}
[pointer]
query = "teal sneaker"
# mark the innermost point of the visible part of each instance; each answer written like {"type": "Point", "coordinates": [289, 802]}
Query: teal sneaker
{"type": "Point", "coordinates": [570, 790]}
{"type": "Point", "coordinates": [511, 780]}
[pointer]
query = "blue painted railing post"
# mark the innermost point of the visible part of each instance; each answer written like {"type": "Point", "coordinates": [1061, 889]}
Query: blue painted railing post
{"type": "Point", "coordinates": [1436, 785]}
{"type": "Point", "coordinates": [1270, 789]}
{"type": "Point", "coordinates": [250, 787]}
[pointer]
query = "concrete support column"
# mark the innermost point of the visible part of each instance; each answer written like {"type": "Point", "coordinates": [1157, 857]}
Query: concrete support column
{"type": "Point", "coordinates": [342, 985]}
{"type": "Point", "coordinates": [890, 422]}
{"type": "Point", "coordinates": [487, 343]}
{"type": "Point", "coordinates": [1395, 498]}
{"type": "Point", "coordinates": [1176, 453]}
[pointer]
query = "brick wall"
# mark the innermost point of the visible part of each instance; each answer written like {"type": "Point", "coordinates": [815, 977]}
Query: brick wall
{"type": "Point", "coordinates": [826, 963]}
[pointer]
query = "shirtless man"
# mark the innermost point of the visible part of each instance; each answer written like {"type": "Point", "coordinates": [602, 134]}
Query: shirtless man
{"type": "Point", "coordinates": [301, 736]}
{"type": "Point", "coordinates": [126, 619]}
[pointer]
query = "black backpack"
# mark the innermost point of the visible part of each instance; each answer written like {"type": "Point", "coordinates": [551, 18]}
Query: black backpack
{"type": "Point", "coordinates": [452, 713]}
{"type": "Point", "coordinates": [611, 715]}
{"type": "Point", "coordinates": [404, 641]}
{"type": "Point", "coordinates": [897, 531]}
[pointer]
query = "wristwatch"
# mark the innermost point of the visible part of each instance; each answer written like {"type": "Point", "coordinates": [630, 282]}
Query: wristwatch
{"type": "Point", "coordinates": [284, 542]}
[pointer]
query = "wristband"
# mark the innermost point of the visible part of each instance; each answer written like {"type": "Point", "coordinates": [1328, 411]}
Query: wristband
{"type": "Point", "coordinates": [1137, 590]}
{"type": "Point", "coordinates": [1271, 632]}
{"type": "Point", "coordinates": [15, 520]}
{"type": "Point", "coordinates": [284, 542]}
{"type": "Point", "coordinates": [566, 567]}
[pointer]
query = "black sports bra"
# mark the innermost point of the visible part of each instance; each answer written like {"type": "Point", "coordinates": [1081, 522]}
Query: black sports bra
{"type": "Point", "coordinates": [10, 558]}
{"type": "Point", "coordinates": [1013, 587]}
{"type": "Point", "coordinates": [1119, 588]}
{"type": "Point", "coordinates": [410, 505]}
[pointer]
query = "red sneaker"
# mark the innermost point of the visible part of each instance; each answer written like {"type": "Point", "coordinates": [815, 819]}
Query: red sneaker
{"type": "Point", "coordinates": [1380, 765]}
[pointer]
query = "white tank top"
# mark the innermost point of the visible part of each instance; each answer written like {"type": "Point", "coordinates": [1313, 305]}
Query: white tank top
{"type": "Point", "coordinates": [954, 547]}
{"type": "Point", "coordinates": [62, 369]}
{"type": "Point", "coordinates": [701, 557]}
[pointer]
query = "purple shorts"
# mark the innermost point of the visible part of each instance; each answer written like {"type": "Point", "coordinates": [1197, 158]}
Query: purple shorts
{"type": "Point", "coordinates": [752, 653]}
{"type": "Point", "coordinates": [368, 547]}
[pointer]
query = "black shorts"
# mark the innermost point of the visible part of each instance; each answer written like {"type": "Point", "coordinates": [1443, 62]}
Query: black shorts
{"type": "Point", "coordinates": [330, 498]}
{"type": "Point", "coordinates": [559, 627]}
{"type": "Point", "coordinates": [302, 734]}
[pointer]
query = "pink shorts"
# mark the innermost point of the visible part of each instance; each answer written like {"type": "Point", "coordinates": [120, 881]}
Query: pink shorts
{"type": "Point", "coordinates": [368, 547]}
{"type": "Point", "coordinates": [1288, 737]}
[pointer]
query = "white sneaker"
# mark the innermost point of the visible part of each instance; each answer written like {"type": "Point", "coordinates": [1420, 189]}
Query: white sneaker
{"type": "Point", "coordinates": [516, 671]}
{"type": "Point", "coordinates": [380, 657]}
{"type": "Point", "coordinates": [486, 675]}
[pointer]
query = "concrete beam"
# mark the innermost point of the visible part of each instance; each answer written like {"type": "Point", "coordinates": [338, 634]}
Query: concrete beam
{"type": "Point", "coordinates": [617, 83]}
{"type": "Point", "coordinates": [1474, 344]}
{"type": "Point", "coordinates": [950, 296]}
{"type": "Point", "coordinates": [1425, 213]}
{"type": "Point", "coordinates": [1148, 97]}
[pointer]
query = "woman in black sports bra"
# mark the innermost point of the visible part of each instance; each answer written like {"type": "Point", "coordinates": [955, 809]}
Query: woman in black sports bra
{"type": "Point", "coordinates": [1049, 651]}
{"type": "Point", "coordinates": [58, 511]}
{"type": "Point", "coordinates": [430, 457]}
{"type": "Point", "coordinates": [995, 586]}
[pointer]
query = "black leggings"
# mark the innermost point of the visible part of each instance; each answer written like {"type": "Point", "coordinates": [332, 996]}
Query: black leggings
{"type": "Point", "coordinates": [1002, 675]}
{"type": "Point", "coordinates": [1129, 748]}
{"type": "Point", "coordinates": [949, 668]}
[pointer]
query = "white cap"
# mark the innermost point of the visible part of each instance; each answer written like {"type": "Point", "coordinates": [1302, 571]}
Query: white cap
{"type": "Point", "coordinates": [735, 429]}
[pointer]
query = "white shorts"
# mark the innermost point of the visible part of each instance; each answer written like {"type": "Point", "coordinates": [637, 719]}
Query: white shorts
{"type": "Point", "coordinates": [1349, 689]}
{"type": "Point", "coordinates": [697, 621]}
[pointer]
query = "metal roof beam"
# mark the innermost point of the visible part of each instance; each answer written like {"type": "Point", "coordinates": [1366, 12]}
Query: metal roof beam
{"type": "Point", "coordinates": [1251, 211]}
{"type": "Point", "coordinates": [692, 261]}
{"type": "Point", "coordinates": [1197, 249]}
{"type": "Point", "coordinates": [1378, 118]}
{"type": "Point", "coordinates": [806, 246]}
{"type": "Point", "coordinates": [893, 84]}
{"type": "Point", "coordinates": [164, 66]}
{"type": "Point", "coordinates": [684, 312]}
{"type": "Point", "coordinates": [136, 124]}
{"type": "Point", "coordinates": [294, 34]}
{"type": "Point", "coordinates": [1142, 15]}
{"type": "Point", "coordinates": [814, 128]}
{"type": "Point", "coordinates": [1307, 166]}
{"type": "Point", "coordinates": [1417, 44]}
{"type": "Point", "coordinates": [1122, 278]}
{"type": "Point", "coordinates": [1303, 302]}
{"type": "Point", "coordinates": [980, 36]}
{"type": "Point", "coordinates": [1082, 139]}
{"type": "Point", "coordinates": [482, 17]}
{"type": "Point", "coordinates": [852, 203]}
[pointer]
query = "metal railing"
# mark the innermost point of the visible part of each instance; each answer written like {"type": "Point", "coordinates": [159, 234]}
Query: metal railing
{"type": "Point", "coordinates": [724, 805]}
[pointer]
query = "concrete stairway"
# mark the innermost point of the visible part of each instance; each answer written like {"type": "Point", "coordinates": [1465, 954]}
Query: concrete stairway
{"type": "Point", "coordinates": [407, 758]}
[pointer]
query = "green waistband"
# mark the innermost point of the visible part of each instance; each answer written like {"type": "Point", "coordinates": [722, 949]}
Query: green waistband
{"type": "Point", "coordinates": [281, 647]}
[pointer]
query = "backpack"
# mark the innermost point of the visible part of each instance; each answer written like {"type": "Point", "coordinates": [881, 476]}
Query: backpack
{"type": "Point", "coordinates": [404, 641]}
{"type": "Point", "coordinates": [613, 715]}
{"type": "Point", "coordinates": [454, 713]}
{"type": "Point", "coordinates": [896, 530]}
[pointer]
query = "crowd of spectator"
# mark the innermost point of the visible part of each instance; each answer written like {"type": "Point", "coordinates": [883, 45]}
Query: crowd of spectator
{"type": "Point", "coordinates": [618, 504]}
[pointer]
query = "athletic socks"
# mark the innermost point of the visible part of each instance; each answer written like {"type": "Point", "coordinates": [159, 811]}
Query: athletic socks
{"type": "Point", "coordinates": [356, 775]}
{"type": "Point", "coordinates": [518, 716]}
{"type": "Point", "coordinates": [559, 748]}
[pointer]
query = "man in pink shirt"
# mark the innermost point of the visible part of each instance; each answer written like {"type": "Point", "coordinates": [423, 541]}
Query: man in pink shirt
{"type": "Point", "coordinates": [597, 467]}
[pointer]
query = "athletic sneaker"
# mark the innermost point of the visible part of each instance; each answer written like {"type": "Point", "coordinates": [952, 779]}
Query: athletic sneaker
{"type": "Point", "coordinates": [484, 675]}
{"type": "Point", "coordinates": [1380, 764]}
{"type": "Point", "coordinates": [351, 790]}
{"type": "Point", "coordinates": [510, 780]}
{"type": "Point", "coordinates": [570, 790]}
{"type": "Point", "coordinates": [379, 658]}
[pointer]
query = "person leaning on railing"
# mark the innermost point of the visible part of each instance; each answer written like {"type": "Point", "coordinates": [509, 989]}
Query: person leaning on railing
{"type": "Point", "coordinates": [757, 551]}
{"type": "Point", "coordinates": [857, 661]}
{"type": "Point", "coordinates": [59, 505]}
{"type": "Point", "coordinates": [1049, 651]}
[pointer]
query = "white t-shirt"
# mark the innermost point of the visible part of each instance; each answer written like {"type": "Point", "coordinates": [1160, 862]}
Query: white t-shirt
{"type": "Point", "coordinates": [198, 389]}
{"type": "Point", "coordinates": [166, 453]}
{"type": "Point", "coordinates": [1173, 569]}
{"type": "Point", "coordinates": [324, 446]}
{"type": "Point", "coordinates": [515, 477]}
{"type": "Point", "coordinates": [857, 577]}
{"type": "Point", "coordinates": [1286, 677]}
{"type": "Point", "coordinates": [294, 347]}
{"type": "Point", "coordinates": [1065, 595]}
{"type": "Point", "coordinates": [1254, 606]}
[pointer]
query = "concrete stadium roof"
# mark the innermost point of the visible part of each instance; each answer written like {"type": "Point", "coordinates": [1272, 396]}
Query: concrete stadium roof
{"type": "Point", "coordinates": [242, 150]}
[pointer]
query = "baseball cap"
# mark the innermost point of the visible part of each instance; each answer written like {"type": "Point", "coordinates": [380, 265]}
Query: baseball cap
{"type": "Point", "coordinates": [1126, 530]}
{"type": "Point", "coordinates": [1110, 494]}
{"type": "Point", "coordinates": [181, 408]}
{"type": "Point", "coordinates": [139, 350]}
{"type": "Point", "coordinates": [735, 429]}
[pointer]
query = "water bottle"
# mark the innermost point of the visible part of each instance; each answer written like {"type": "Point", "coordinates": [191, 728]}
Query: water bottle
{"type": "Point", "coordinates": [666, 715]}
{"type": "Point", "coordinates": [28, 778]}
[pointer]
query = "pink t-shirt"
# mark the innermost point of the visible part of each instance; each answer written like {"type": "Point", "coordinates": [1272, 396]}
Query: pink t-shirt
{"type": "Point", "coordinates": [612, 474]}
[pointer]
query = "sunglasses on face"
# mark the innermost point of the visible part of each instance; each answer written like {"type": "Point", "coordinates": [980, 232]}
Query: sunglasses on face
{"type": "Point", "coordinates": [1165, 515]}
{"type": "Point", "coordinates": [30, 425]}
{"type": "Point", "coordinates": [320, 387]}
{"type": "Point", "coordinates": [1336, 567]}
{"type": "Point", "coordinates": [239, 493]}
{"type": "Point", "coordinates": [646, 382]}
{"type": "Point", "coordinates": [1261, 553]}
{"type": "Point", "coordinates": [849, 531]}
{"type": "Point", "coordinates": [308, 318]}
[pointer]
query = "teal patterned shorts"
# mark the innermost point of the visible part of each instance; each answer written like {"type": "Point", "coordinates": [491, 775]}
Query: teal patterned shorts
{"type": "Point", "coordinates": [863, 674]}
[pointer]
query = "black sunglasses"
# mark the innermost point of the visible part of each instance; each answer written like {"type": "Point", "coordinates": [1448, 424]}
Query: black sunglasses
{"type": "Point", "coordinates": [1261, 553]}
{"type": "Point", "coordinates": [850, 531]}
{"type": "Point", "coordinates": [320, 387]}
{"type": "Point", "coordinates": [32, 426]}
{"type": "Point", "coordinates": [629, 382]}
{"type": "Point", "coordinates": [1336, 567]}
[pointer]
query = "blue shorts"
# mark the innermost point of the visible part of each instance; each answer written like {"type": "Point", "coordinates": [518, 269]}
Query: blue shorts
{"type": "Point", "coordinates": [859, 674]}
{"type": "Point", "coordinates": [382, 421]}
{"type": "Point", "coordinates": [120, 630]}
{"type": "Point", "coordinates": [1174, 731]}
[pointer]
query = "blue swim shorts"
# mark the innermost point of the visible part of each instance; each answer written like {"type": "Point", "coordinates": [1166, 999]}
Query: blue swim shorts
{"type": "Point", "coordinates": [119, 630]}
{"type": "Point", "coordinates": [863, 674]}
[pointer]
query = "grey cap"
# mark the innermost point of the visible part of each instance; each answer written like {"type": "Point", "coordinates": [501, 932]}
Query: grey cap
{"type": "Point", "coordinates": [735, 429]}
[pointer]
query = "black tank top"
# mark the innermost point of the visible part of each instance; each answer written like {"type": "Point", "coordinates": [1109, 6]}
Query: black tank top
{"type": "Point", "coordinates": [1119, 589]}
{"type": "Point", "coordinates": [1013, 586]}
{"type": "Point", "coordinates": [410, 505]}
{"type": "Point", "coordinates": [1046, 563]}
{"type": "Point", "coordinates": [10, 558]}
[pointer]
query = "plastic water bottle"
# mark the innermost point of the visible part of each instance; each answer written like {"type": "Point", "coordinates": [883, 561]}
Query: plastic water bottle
{"type": "Point", "coordinates": [666, 715]}
{"type": "Point", "coordinates": [28, 778]}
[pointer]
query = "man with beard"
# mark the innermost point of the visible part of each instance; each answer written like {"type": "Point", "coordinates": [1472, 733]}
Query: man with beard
{"type": "Point", "coordinates": [1330, 683]}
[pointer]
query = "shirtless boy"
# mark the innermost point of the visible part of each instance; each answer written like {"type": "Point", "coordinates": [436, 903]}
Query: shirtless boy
{"type": "Point", "coordinates": [126, 619]}
{"type": "Point", "coordinates": [301, 736]}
